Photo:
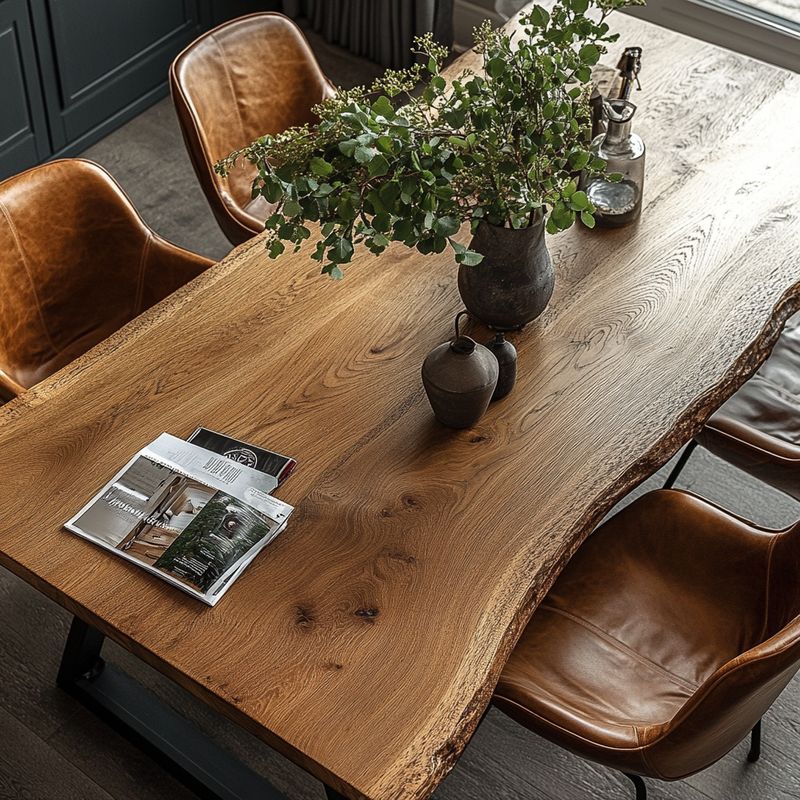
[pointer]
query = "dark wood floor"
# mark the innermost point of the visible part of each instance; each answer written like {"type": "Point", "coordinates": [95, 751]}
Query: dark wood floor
{"type": "Point", "coordinates": [51, 749]}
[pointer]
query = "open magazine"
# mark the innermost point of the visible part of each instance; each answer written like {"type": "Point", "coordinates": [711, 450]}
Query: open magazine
{"type": "Point", "coordinates": [190, 515]}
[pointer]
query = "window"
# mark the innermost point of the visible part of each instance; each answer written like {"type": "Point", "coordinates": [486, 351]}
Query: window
{"type": "Point", "coordinates": [765, 29]}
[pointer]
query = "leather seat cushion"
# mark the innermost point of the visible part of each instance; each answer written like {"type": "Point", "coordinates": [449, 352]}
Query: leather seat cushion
{"type": "Point", "coordinates": [52, 362]}
{"type": "Point", "coordinates": [257, 211]}
{"type": "Point", "coordinates": [633, 626]}
{"type": "Point", "coordinates": [567, 686]}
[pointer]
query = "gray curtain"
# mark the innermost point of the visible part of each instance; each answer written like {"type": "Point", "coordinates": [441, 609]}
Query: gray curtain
{"type": "Point", "coordinates": [380, 30]}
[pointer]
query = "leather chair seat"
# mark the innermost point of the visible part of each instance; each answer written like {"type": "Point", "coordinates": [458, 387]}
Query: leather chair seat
{"type": "Point", "coordinates": [593, 708]}
{"type": "Point", "coordinates": [39, 369]}
{"type": "Point", "coordinates": [646, 619]}
{"type": "Point", "coordinates": [758, 429]}
{"type": "Point", "coordinates": [258, 209]}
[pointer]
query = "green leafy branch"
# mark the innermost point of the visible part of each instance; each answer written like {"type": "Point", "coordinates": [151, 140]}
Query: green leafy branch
{"type": "Point", "coordinates": [400, 162]}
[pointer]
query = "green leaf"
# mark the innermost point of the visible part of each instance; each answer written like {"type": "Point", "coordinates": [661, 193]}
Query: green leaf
{"type": "Point", "coordinates": [364, 154]}
{"type": "Point", "coordinates": [273, 221]}
{"type": "Point", "coordinates": [378, 166]}
{"type": "Point", "coordinates": [562, 216]}
{"type": "Point", "coordinates": [425, 246]}
{"type": "Point", "coordinates": [579, 159]}
{"type": "Point", "coordinates": [385, 144]}
{"type": "Point", "coordinates": [469, 258]}
{"type": "Point", "coordinates": [273, 190]}
{"type": "Point", "coordinates": [403, 230]}
{"type": "Point", "coordinates": [446, 226]}
{"type": "Point", "coordinates": [319, 251]}
{"type": "Point", "coordinates": [579, 201]}
{"type": "Point", "coordinates": [348, 147]}
{"type": "Point", "coordinates": [276, 247]}
{"type": "Point", "coordinates": [291, 208]}
{"type": "Point", "coordinates": [589, 54]}
{"type": "Point", "coordinates": [615, 177]}
{"type": "Point", "coordinates": [334, 271]}
{"type": "Point", "coordinates": [345, 209]}
{"type": "Point", "coordinates": [428, 202]}
{"type": "Point", "coordinates": [496, 66]}
{"type": "Point", "coordinates": [383, 107]}
{"type": "Point", "coordinates": [319, 166]}
{"type": "Point", "coordinates": [389, 193]}
{"type": "Point", "coordinates": [382, 222]}
{"type": "Point", "coordinates": [587, 219]}
{"type": "Point", "coordinates": [341, 252]}
{"type": "Point", "coordinates": [539, 17]}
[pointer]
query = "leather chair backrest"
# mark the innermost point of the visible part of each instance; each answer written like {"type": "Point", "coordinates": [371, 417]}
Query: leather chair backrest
{"type": "Point", "coordinates": [734, 698]}
{"type": "Point", "coordinates": [252, 76]}
{"type": "Point", "coordinates": [76, 263]}
{"type": "Point", "coordinates": [784, 588]}
{"type": "Point", "coordinates": [67, 236]}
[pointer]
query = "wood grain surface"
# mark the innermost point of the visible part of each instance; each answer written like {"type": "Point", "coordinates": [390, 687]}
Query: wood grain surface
{"type": "Point", "coordinates": [366, 641]}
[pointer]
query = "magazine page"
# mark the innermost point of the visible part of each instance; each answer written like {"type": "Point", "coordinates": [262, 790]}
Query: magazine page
{"type": "Point", "coordinates": [280, 467]}
{"type": "Point", "coordinates": [189, 516]}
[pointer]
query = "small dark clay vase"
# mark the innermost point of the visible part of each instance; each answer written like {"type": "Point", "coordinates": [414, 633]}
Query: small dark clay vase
{"type": "Point", "coordinates": [506, 355]}
{"type": "Point", "coordinates": [515, 280]}
{"type": "Point", "coordinates": [459, 378]}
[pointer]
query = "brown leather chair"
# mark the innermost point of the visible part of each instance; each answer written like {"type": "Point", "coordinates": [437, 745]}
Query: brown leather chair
{"type": "Point", "coordinates": [758, 429]}
{"type": "Point", "coordinates": [76, 263]}
{"type": "Point", "coordinates": [246, 78]}
{"type": "Point", "coordinates": [663, 642]}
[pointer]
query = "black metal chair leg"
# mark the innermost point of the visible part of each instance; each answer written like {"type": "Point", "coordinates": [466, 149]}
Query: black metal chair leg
{"type": "Point", "coordinates": [641, 789]}
{"type": "Point", "coordinates": [755, 744]}
{"type": "Point", "coordinates": [678, 468]}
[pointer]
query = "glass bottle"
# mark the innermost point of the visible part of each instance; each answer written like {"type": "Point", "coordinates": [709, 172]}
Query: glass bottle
{"type": "Point", "coordinates": [618, 203]}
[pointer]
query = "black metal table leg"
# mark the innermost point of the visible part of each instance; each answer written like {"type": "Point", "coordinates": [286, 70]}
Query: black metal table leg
{"type": "Point", "coordinates": [209, 771]}
{"type": "Point", "coordinates": [678, 468]}
{"type": "Point", "coordinates": [641, 787]}
{"type": "Point", "coordinates": [755, 744]}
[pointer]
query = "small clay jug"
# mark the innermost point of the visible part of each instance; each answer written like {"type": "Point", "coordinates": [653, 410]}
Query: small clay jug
{"type": "Point", "coordinates": [459, 378]}
{"type": "Point", "coordinates": [506, 355]}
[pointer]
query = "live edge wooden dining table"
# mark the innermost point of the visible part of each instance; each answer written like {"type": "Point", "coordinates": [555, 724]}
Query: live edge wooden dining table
{"type": "Point", "coordinates": [364, 644]}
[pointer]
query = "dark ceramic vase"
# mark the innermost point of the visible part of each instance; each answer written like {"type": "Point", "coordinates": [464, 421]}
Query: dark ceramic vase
{"type": "Point", "coordinates": [514, 282]}
{"type": "Point", "coordinates": [460, 377]}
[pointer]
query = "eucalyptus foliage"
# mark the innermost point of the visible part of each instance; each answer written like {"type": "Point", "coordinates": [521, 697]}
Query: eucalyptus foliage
{"type": "Point", "coordinates": [395, 163]}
